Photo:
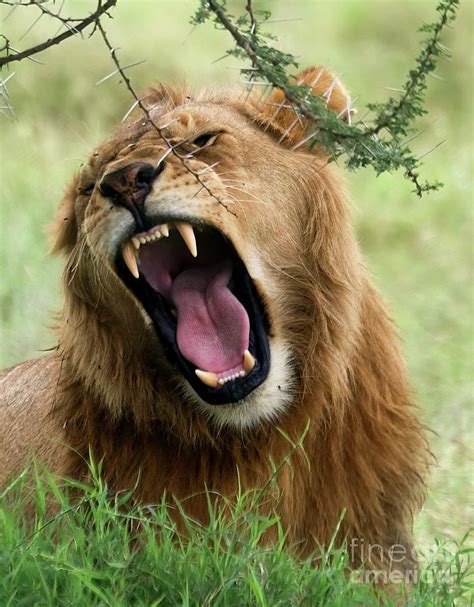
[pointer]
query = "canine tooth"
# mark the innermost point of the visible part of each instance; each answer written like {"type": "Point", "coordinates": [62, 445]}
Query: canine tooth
{"type": "Point", "coordinates": [208, 378]}
{"type": "Point", "coordinates": [248, 362]}
{"type": "Point", "coordinates": [164, 229]}
{"type": "Point", "coordinates": [187, 233]}
{"type": "Point", "coordinates": [130, 258]}
{"type": "Point", "coordinates": [136, 242]}
{"type": "Point", "coordinates": [242, 373]}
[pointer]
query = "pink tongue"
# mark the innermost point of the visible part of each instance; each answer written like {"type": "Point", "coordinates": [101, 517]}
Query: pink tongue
{"type": "Point", "coordinates": [213, 326]}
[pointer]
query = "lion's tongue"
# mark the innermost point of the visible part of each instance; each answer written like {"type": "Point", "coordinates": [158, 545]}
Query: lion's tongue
{"type": "Point", "coordinates": [213, 326]}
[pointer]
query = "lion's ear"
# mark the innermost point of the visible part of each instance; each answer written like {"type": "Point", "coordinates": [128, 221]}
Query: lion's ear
{"type": "Point", "coordinates": [64, 229]}
{"type": "Point", "coordinates": [278, 113]}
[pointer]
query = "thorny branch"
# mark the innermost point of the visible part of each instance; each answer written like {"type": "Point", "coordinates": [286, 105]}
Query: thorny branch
{"type": "Point", "coordinates": [417, 76]}
{"type": "Point", "coordinates": [382, 144]}
{"type": "Point", "coordinates": [138, 103]}
{"type": "Point", "coordinates": [253, 23]}
{"type": "Point", "coordinates": [15, 3]}
{"type": "Point", "coordinates": [73, 27]}
{"type": "Point", "coordinates": [363, 144]}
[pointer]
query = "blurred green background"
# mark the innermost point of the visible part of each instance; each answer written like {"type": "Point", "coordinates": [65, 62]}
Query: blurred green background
{"type": "Point", "coordinates": [419, 251]}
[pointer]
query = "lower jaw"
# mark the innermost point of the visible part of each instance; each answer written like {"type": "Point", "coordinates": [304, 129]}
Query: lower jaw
{"type": "Point", "coordinates": [235, 390]}
{"type": "Point", "coordinates": [170, 269]}
{"type": "Point", "coordinates": [265, 405]}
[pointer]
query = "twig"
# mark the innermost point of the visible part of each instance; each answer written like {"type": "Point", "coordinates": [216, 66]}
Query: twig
{"type": "Point", "coordinates": [249, 47]}
{"type": "Point", "coordinates": [395, 117]}
{"type": "Point", "coordinates": [253, 21]}
{"type": "Point", "coordinates": [418, 75]}
{"type": "Point", "coordinates": [93, 18]}
{"type": "Point", "coordinates": [144, 109]}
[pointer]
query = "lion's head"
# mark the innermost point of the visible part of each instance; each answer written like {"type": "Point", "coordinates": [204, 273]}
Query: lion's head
{"type": "Point", "coordinates": [211, 245]}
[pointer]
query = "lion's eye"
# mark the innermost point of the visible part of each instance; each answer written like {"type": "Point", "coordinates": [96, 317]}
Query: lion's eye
{"type": "Point", "coordinates": [205, 140]}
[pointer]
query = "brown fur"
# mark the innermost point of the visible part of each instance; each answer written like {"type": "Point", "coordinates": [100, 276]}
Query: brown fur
{"type": "Point", "coordinates": [110, 388]}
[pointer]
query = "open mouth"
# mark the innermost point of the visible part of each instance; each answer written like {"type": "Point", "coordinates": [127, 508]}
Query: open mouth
{"type": "Point", "coordinates": [204, 306]}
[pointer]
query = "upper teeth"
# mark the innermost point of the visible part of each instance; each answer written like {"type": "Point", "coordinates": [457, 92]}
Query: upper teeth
{"type": "Point", "coordinates": [154, 234]}
{"type": "Point", "coordinates": [130, 250]}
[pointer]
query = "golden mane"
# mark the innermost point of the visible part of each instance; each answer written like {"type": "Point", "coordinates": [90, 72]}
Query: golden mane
{"type": "Point", "coordinates": [335, 367]}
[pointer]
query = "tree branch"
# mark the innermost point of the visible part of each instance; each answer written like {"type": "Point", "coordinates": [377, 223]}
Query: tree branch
{"type": "Point", "coordinates": [359, 141]}
{"type": "Point", "coordinates": [93, 18]}
{"type": "Point", "coordinates": [139, 103]}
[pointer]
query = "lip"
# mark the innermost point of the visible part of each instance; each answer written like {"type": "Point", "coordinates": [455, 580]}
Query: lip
{"type": "Point", "coordinates": [160, 309]}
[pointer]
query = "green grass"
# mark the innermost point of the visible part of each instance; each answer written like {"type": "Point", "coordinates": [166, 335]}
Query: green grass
{"type": "Point", "coordinates": [419, 251]}
{"type": "Point", "coordinates": [98, 550]}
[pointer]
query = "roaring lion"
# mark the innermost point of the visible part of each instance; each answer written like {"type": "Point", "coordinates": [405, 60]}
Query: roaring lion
{"type": "Point", "coordinates": [216, 308]}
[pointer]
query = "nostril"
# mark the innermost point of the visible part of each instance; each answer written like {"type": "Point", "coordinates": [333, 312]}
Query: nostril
{"type": "Point", "coordinates": [144, 177]}
{"type": "Point", "coordinates": [107, 190]}
{"type": "Point", "coordinates": [129, 185]}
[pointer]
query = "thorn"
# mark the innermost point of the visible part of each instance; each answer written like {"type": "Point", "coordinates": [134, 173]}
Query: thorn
{"type": "Point", "coordinates": [288, 130]}
{"type": "Point", "coordinates": [328, 94]}
{"type": "Point", "coordinates": [188, 35]}
{"type": "Point", "coordinates": [208, 168]}
{"type": "Point", "coordinates": [131, 110]}
{"type": "Point", "coordinates": [436, 77]}
{"type": "Point", "coordinates": [253, 83]}
{"type": "Point", "coordinates": [431, 149]}
{"type": "Point", "coordinates": [413, 137]}
{"type": "Point", "coordinates": [368, 149]}
{"type": "Point", "coordinates": [30, 58]}
{"type": "Point", "coordinates": [118, 71]}
{"type": "Point", "coordinates": [242, 69]}
{"type": "Point", "coordinates": [164, 126]}
{"type": "Point", "coordinates": [221, 58]}
{"type": "Point", "coordinates": [305, 140]}
{"type": "Point", "coordinates": [31, 27]}
{"type": "Point", "coordinates": [282, 20]}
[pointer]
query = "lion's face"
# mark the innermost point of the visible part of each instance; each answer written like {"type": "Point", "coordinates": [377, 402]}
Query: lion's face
{"type": "Point", "coordinates": [201, 225]}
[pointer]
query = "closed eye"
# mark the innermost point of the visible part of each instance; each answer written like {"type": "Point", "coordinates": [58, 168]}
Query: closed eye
{"type": "Point", "coordinates": [205, 140]}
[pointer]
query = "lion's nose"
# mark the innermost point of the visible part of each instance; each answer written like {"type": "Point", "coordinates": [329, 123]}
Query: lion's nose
{"type": "Point", "coordinates": [130, 185]}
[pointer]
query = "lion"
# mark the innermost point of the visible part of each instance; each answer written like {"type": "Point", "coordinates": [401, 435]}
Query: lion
{"type": "Point", "coordinates": [216, 309]}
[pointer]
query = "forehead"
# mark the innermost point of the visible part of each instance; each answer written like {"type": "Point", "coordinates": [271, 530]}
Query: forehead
{"type": "Point", "coordinates": [183, 121]}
